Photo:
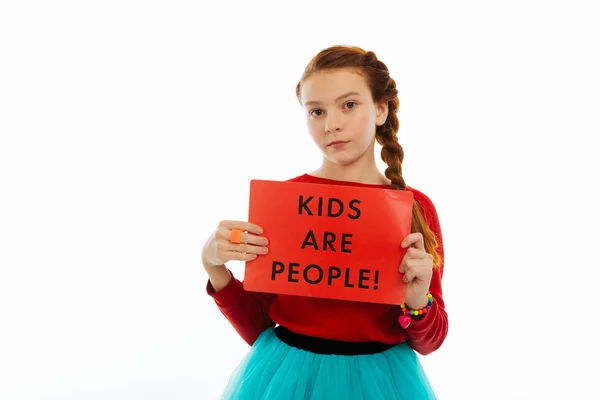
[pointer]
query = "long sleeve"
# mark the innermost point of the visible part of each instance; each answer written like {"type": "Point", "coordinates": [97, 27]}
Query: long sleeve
{"type": "Point", "coordinates": [248, 312]}
{"type": "Point", "coordinates": [428, 333]}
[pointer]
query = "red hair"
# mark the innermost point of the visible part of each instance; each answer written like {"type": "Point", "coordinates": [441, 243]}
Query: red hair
{"type": "Point", "coordinates": [383, 89]}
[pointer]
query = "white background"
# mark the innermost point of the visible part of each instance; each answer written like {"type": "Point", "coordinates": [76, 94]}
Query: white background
{"type": "Point", "coordinates": [130, 128]}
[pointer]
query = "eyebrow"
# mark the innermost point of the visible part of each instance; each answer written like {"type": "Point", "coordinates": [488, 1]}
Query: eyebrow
{"type": "Point", "coordinates": [337, 99]}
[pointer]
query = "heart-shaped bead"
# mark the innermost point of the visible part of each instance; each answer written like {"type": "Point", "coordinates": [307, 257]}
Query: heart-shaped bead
{"type": "Point", "coordinates": [404, 321]}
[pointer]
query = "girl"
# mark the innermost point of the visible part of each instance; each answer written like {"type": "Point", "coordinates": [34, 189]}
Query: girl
{"type": "Point", "coordinates": [314, 348]}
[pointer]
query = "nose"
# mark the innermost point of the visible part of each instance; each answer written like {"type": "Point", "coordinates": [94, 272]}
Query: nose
{"type": "Point", "coordinates": [333, 123]}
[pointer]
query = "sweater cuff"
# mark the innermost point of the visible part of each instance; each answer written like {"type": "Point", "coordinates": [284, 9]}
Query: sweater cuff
{"type": "Point", "coordinates": [228, 295]}
{"type": "Point", "coordinates": [422, 325]}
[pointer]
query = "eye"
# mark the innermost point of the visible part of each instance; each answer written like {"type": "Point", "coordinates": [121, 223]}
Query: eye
{"type": "Point", "coordinates": [319, 110]}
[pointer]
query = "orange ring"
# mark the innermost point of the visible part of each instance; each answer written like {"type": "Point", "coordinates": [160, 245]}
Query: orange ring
{"type": "Point", "coordinates": [236, 236]}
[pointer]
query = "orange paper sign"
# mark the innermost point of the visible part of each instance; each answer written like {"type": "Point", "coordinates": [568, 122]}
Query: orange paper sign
{"type": "Point", "coordinates": [330, 241]}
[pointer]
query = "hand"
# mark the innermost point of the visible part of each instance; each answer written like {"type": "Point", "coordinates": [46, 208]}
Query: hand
{"type": "Point", "coordinates": [417, 267]}
{"type": "Point", "coordinates": [218, 249]}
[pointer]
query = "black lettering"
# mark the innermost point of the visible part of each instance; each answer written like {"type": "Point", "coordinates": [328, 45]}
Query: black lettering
{"type": "Point", "coordinates": [304, 205]}
{"type": "Point", "coordinates": [331, 276]}
{"type": "Point", "coordinates": [310, 240]}
{"type": "Point", "coordinates": [347, 275]}
{"type": "Point", "coordinates": [293, 271]}
{"type": "Point", "coordinates": [362, 278]}
{"type": "Point", "coordinates": [328, 239]}
{"type": "Point", "coordinates": [319, 279]}
{"type": "Point", "coordinates": [345, 242]}
{"type": "Point", "coordinates": [320, 210]}
{"type": "Point", "coordinates": [276, 270]}
{"type": "Point", "coordinates": [330, 208]}
{"type": "Point", "coordinates": [351, 205]}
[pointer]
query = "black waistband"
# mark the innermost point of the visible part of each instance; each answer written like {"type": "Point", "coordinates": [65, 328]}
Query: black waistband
{"type": "Point", "coordinates": [328, 346]}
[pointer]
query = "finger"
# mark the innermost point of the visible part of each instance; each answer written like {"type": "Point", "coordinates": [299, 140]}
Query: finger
{"type": "Point", "coordinates": [417, 254]}
{"type": "Point", "coordinates": [409, 275]}
{"type": "Point", "coordinates": [243, 225]}
{"type": "Point", "coordinates": [234, 255]}
{"type": "Point", "coordinates": [225, 234]}
{"type": "Point", "coordinates": [244, 248]}
{"type": "Point", "coordinates": [251, 249]}
{"type": "Point", "coordinates": [418, 269]}
{"type": "Point", "coordinates": [254, 239]}
{"type": "Point", "coordinates": [414, 267]}
{"type": "Point", "coordinates": [403, 265]}
{"type": "Point", "coordinates": [411, 255]}
{"type": "Point", "coordinates": [414, 240]}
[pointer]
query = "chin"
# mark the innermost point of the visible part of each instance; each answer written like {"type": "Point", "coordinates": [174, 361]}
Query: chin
{"type": "Point", "coordinates": [342, 160]}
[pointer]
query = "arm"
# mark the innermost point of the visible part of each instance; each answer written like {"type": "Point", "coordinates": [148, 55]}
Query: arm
{"type": "Point", "coordinates": [427, 333]}
{"type": "Point", "coordinates": [248, 312]}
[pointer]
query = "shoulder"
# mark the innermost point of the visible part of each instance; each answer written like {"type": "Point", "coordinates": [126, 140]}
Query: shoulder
{"type": "Point", "coordinates": [425, 202]}
{"type": "Point", "coordinates": [420, 196]}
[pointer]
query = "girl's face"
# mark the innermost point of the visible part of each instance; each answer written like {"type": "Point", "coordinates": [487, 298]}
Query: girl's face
{"type": "Point", "coordinates": [341, 115]}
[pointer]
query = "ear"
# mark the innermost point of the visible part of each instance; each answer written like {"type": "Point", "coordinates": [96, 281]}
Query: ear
{"type": "Point", "coordinates": [382, 112]}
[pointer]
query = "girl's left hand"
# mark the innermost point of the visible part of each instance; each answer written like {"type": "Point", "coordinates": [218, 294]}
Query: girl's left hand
{"type": "Point", "coordinates": [417, 267]}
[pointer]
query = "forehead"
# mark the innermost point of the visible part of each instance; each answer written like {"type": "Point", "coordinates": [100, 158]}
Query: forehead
{"type": "Point", "coordinates": [326, 86]}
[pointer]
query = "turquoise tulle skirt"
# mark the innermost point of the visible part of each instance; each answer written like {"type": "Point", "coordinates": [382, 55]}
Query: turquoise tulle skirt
{"type": "Point", "coordinates": [275, 370]}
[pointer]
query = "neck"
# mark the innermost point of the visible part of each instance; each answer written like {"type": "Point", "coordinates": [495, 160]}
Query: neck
{"type": "Point", "coordinates": [363, 170]}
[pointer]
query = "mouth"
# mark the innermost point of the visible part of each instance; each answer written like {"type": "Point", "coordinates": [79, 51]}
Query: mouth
{"type": "Point", "coordinates": [337, 143]}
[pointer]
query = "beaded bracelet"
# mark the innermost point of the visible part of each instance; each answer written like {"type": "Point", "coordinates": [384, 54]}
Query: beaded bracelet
{"type": "Point", "coordinates": [405, 319]}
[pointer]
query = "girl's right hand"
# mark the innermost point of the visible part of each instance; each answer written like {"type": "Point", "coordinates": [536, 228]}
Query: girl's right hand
{"type": "Point", "coordinates": [218, 249]}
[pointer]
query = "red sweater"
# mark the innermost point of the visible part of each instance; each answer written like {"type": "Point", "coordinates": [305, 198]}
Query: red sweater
{"type": "Point", "coordinates": [250, 312]}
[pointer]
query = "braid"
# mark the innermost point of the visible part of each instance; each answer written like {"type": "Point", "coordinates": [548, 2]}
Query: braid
{"type": "Point", "coordinates": [393, 155]}
{"type": "Point", "coordinates": [391, 152]}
